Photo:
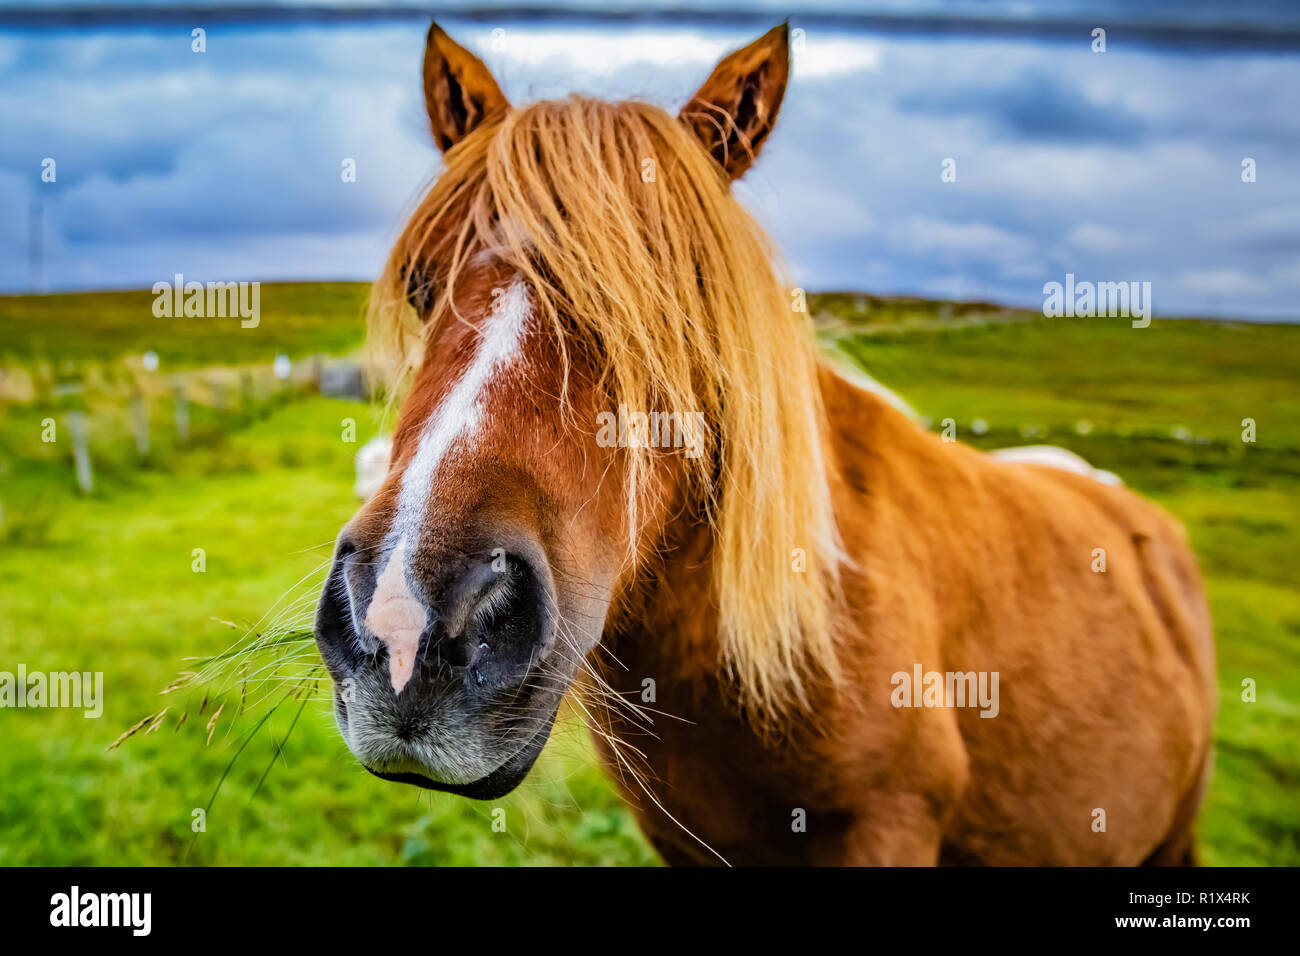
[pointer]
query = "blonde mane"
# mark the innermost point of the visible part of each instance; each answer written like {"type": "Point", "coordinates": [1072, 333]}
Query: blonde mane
{"type": "Point", "coordinates": [623, 224]}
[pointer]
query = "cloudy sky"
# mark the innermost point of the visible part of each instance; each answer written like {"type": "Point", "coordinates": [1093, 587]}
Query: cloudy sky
{"type": "Point", "coordinates": [225, 165]}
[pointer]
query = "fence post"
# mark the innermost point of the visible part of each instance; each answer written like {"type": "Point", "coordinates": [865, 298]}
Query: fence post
{"type": "Point", "coordinates": [182, 413]}
{"type": "Point", "coordinates": [265, 393]}
{"type": "Point", "coordinates": [81, 451]}
{"type": "Point", "coordinates": [140, 420]}
{"type": "Point", "coordinates": [43, 381]}
{"type": "Point", "coordinates": [246, 394]}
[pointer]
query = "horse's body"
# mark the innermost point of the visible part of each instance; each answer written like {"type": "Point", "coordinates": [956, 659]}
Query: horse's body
{"type": "Point", "coordinates": [767, 590]}
{"type": "Point", "coordinates": [964, 563]}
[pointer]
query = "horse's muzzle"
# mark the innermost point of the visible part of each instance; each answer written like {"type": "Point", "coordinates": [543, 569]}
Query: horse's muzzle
{"type": "Point", "coordinates": [461, 700]}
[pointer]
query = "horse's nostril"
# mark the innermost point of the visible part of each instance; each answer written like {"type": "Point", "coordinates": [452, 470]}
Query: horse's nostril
{"type": "Point", "coordinates": [496, 619]}
{"type": "Point", "coordinates": [335, 634]}
{"type": "Point", "coordinates": [350, 585]}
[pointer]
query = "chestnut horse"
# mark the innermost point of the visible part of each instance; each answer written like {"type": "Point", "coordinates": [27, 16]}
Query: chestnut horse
{"type": "Point", "coordinates": [803, 628]}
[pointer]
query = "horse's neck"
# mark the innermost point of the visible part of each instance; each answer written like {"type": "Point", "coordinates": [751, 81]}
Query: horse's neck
{"type": "Point", "coordinates": [667, 623]}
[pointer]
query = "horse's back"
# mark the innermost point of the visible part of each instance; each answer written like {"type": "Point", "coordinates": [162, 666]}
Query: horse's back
{"type": "Point", "coordinates": [1084, 600]}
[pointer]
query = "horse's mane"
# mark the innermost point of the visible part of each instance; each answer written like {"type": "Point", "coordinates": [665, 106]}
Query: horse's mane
{"type": "Point", "coordinates": [675, 282]}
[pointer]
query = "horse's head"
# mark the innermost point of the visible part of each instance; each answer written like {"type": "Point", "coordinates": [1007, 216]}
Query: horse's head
{"type": "Point", "coordinates": [594, 338]}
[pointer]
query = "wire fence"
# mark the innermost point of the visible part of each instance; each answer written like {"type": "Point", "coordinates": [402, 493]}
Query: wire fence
{"type": "Point", "coordinates": [126, 413]}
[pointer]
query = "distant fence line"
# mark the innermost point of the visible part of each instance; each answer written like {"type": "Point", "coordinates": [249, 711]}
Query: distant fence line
{"type": "Point", "coordinates": [103, 404]}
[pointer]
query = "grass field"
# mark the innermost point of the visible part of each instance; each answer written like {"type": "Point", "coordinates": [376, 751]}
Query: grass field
{"type": "Point", "coordinates": [104, 582]}
{"type": "Point", "coordinates": [301, 318]}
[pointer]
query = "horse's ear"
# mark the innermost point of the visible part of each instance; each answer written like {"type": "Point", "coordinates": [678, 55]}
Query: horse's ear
{"type": "Point", "coordinates": [736, 107]}
{"type": "Point", "coordinates": [459, 92]}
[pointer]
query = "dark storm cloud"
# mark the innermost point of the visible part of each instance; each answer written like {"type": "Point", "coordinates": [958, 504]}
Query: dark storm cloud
{"type": "Point", "coordinates": [1036, 104]}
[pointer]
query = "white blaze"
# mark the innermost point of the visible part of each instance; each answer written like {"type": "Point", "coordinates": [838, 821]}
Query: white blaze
{"type": "Point", "coordinates": [460, 415]}
{"type": "Point", "coordinates": [392, 613]}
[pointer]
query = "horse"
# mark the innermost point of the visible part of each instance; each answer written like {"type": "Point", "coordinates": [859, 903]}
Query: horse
{"type": "Point", "coordinates": [803, 629]}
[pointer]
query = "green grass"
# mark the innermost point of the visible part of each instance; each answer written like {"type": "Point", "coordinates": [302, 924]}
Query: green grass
{"type": "Point", "coordinates": [1204, 376]}
{"type": "Point", "coordinates": [105, 582]}
{"type": "Point", "coordinates": [296, 318]}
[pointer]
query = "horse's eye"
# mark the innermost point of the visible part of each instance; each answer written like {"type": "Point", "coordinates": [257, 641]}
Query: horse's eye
{"type": "Point", "coordinates": [419, 288]}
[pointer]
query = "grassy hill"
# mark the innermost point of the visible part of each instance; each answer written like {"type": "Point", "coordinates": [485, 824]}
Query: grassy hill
{"type": "Point", "coordinates": [297, 318]}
